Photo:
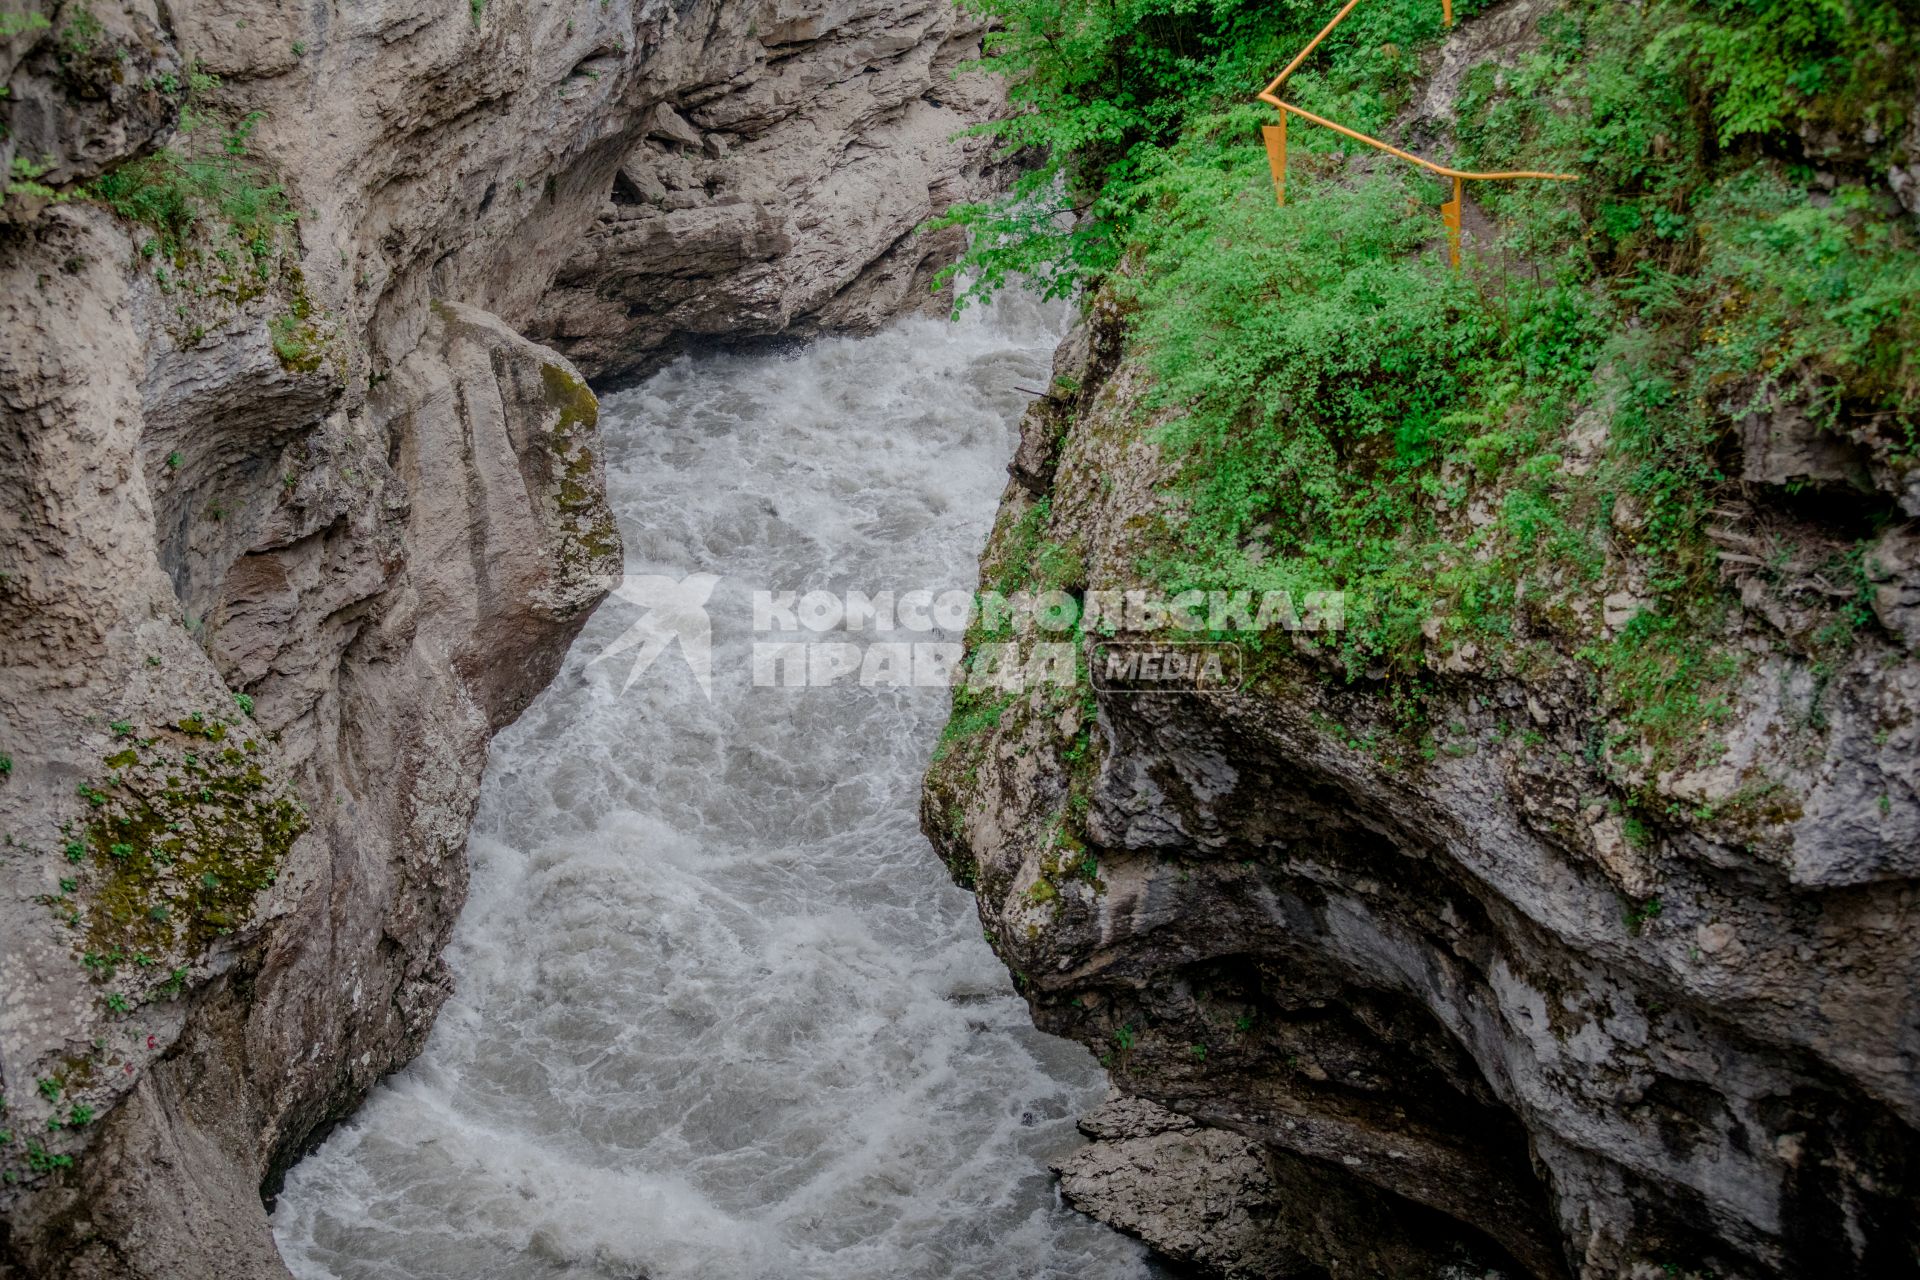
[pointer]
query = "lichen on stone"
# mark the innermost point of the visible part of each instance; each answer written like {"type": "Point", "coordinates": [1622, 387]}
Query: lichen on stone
{"type": "Point", "coordinates": [179, 838]}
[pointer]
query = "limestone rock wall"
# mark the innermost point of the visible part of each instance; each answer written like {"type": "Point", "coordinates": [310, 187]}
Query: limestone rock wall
{"type": "Point", "coordinates": [1465, 1013]}
{"type": "Point", "coordinates": [301, 507]}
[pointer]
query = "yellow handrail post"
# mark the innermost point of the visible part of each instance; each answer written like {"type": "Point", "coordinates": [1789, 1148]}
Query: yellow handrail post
{"type": "Point", "coordinates": [1450, 214]}
{"type": "Point", "coordinates": [1276, 136]}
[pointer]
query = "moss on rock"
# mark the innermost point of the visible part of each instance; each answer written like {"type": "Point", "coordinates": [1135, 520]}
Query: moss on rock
{"type": "Point", "coordinates": [181, 836]}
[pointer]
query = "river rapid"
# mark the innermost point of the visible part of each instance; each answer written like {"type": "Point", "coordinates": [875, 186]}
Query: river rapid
{"type": "Point", "coordinates": [719, 1014]}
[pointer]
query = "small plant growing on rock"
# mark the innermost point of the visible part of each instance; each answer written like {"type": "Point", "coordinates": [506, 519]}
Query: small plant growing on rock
{"type": "Point", "coordinates": [288, 342]}
{"type": "Point", "coordinates": [77, 37]}
{"type": "Point", "coordinates": [13, 24]}
{"type": "Point", "coordinates": [1639, 916]}
{"type": "Point", "coordinates": [42, 1161]}
{"type": "Point", "coordinates": [173, 190]}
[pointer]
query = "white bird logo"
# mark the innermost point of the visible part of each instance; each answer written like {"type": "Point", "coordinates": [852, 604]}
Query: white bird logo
{"type": "Point", "coordinates": [676, 610]}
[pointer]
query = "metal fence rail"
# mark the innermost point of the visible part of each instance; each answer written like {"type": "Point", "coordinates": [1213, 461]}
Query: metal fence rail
{"type": "Point", "coordinates": [1276, 139]}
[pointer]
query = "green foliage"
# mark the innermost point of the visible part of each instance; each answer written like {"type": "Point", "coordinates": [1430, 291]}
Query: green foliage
{"type": "Point", "coordinates": [1014, 563]}
{"type": "Point", "coordinates": [24, 179]}
{"type": "Point", "coordinates": [1831, 288]}
{"type": "Point", "coordinates": [1101, 88]}
{"type": "Point", "coordinates": [1638, 916]}
{"type": "Point", "coordinates": [1352, 415]}
{"type": "Point", "coordinates": [974, 712]}
{"type": "Point", "coordinates": [194, 185]}
{"type": "Point", "coordinates": [1765, 63]}
{"type": "Point", "coordinates": [41, 1161]}
{"type": "Point", "coordinates": [295, 341]}
{"type": "Point", "coordinates": [6, 764]}
{"type": "Point", "coordinates": [13, 24]}
{"type": "Point", "coordinates": [1326, 376]}
{"type": "Point", "coordinates": [1666, 681]}
{"type": "Point", "coordinates": [80, 33]}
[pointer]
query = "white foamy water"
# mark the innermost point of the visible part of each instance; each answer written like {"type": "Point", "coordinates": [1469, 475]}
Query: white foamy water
{"type": "Point", "coordinates": [720, 1013]}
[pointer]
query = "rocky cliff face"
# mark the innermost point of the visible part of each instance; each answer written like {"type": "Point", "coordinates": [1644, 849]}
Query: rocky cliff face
{"type": "Point", "coordinates": [296, 517]}
{"type": "Point", "coordinates": [1392, 1005]}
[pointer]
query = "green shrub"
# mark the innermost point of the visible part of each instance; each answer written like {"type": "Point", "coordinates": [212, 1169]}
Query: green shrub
{"type": "Point", "coordinates": [1352, 415]}
{"type": "Point", "coordinates": [195, 187]}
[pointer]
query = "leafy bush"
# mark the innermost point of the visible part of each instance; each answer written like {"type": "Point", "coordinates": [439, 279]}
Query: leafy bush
{"type": "Point", "coordinates": [1352, 415]}
{"type": "Point", "coordinates": [1102, 88]}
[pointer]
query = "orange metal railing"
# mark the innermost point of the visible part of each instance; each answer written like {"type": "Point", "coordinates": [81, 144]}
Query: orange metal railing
{"type": "Point", "coordinates": [1276, 138]}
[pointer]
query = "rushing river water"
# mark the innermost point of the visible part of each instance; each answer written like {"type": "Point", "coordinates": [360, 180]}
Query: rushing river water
{"type": "Point", "coordinates": [720, 1014]}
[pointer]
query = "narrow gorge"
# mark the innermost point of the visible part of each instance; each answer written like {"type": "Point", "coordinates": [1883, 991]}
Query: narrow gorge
{"type": "Point", "coordinates": [1430, 778]}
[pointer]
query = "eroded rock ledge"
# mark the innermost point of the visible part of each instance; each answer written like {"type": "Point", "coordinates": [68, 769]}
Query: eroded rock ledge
{"type": "Point", "coordinates": [294, 520]}
{"type": "Point", "coordinates": [1464, 1014]}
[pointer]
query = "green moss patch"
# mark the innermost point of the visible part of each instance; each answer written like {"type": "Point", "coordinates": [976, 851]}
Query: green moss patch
{"type": "Point", "coordinates": [179, 837]}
